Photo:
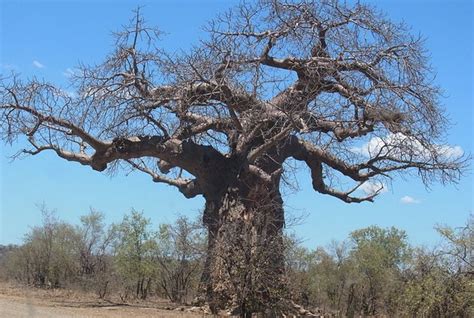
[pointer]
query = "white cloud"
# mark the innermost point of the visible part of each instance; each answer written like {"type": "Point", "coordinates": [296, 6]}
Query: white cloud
{"type": "Point", "coordinates": [69, 72]}
{"type": "Point", "coordinates": [7, 66]}
{"type": "Point", "coordinates": [399, 146]}
{"type": "Point", "coordinates": [372, 187]}
{"type": "Point", "coordinates": [67, 93]}
{"type": "Point", "coordinates": [38, 64]}
{"type": "Point", "coordinates": [450, 152]}
{"type": "Point", "coordinates": [409, 200]}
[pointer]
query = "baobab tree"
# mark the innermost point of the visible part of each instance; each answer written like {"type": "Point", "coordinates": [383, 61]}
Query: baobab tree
{"type": "Point", "coordinates": [339, 88]}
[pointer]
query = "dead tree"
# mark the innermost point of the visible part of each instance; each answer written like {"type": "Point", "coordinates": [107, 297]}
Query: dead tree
{"type": "Point", "coordinates": [274, 81]}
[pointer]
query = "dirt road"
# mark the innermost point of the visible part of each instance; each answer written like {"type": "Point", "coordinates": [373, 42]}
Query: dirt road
{"type": "Point", "coordinates": [16, 308]}
{"type": "Point", "coordinates": [16, 303]}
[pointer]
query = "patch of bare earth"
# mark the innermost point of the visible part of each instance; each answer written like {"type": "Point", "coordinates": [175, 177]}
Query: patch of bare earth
{"type": "Point", "coordinates": [20, 301]}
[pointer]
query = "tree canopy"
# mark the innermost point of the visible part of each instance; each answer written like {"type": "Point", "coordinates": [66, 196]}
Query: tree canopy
{"type": "Point", "coordinates": [312, 79]}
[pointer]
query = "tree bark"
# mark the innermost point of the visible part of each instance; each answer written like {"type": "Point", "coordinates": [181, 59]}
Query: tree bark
{"type": "Point", "coordinates": [244, 269]}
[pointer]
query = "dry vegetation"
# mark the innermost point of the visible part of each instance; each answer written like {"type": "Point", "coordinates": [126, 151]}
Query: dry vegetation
{"type": "Point", "coordinates": [273, 83]}
{"type": "Point", "coordinates": [17, 300]}
{"type": "Point", "coordinates": [97, 269]}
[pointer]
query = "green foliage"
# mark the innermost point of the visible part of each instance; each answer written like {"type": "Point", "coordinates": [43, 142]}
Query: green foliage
{"type": "Point", "coordinates": [378, 255]}
{"type": "Point", "coordinates": [48, 256]}
{"type": "Point", "coordinates": [440, 282]}
{"type": "Point", "coordinates": [95, 248]}
{"type": "Point", "coordinates": [135, 253]}
{"type": "Point", "coordinates": [128, 257]}
{"type": "Point", "coordinates": [373, 273]}
{"type": "Point", "coordinates": [377, 248]}
{"type": "Point", "coordinates": [181, 250]}
{"type": "Point", "coordinates": [376, 272]}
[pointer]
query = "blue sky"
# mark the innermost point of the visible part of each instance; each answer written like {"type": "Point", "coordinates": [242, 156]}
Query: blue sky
{"type": "Point", "coordinates": [46, 38]}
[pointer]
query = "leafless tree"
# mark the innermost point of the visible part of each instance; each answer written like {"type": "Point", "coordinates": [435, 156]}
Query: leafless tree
{"type": "Point", "coordinates": [180, 254]}
{"type": "Point", "coordinates": [94, 252]}
{"type": "Point", "coordinates": [274, 81]}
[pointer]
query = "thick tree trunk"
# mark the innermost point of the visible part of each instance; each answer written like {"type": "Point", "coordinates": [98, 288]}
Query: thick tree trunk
{"type": "Point", "coordinates": [244, 270]}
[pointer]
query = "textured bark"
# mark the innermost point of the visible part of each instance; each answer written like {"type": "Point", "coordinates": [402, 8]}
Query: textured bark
{"type": "Point", "coordinates": [274, 80]}
{"type": "Point", "coordinates": [245, 265]}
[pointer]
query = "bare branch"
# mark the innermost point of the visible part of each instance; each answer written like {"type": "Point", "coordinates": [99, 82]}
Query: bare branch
{"type": "Point", "coordinates": [188, 187]}
{"type": "Point", "coordinates": [274, 79]}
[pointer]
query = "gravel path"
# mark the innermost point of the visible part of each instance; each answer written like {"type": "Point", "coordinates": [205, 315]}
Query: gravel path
{"type": "Point", "coordinates": [16, 307]}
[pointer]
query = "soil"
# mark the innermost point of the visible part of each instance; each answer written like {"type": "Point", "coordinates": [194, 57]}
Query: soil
{"type": "Point", "coordinates": [20, 301]}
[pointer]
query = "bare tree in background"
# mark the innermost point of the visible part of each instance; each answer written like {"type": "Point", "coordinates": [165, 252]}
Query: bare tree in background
{"type": "Point", "coordinates": [180, 254]}
{"type": "Point", "coordinates": [339, 88]}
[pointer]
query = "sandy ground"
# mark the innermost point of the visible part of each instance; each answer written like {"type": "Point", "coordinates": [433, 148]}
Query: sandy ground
{"type": "Point", "coordinates": [17, 301]}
